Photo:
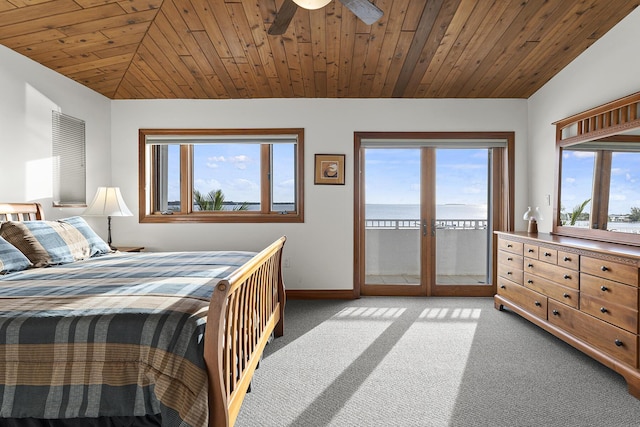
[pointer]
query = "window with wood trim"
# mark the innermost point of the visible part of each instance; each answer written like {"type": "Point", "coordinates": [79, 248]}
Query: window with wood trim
{"type": "Point", "coordinates": [221, 175]}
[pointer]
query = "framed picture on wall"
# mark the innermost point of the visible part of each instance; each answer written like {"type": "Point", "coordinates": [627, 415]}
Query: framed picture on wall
{"type": "Point", "coordinates": [329, 169]}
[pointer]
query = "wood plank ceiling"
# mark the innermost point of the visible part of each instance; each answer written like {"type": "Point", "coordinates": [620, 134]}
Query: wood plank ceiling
{"type": "Point", "coordinates": [210, 49]}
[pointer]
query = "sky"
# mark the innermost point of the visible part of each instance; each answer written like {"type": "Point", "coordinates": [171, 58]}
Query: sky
{"type": "Point", "coordinates": [235, 169]}
{"type": "Point", "coordinates": [393, 176]}
{"type": "Point", "coordinates": [577, 180]}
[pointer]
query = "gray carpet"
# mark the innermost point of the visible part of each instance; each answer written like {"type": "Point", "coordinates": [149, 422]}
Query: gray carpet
{"type": "Point", "coordinates": [381, 361]}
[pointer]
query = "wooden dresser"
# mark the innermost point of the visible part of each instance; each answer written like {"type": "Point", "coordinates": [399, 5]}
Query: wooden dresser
{"type": "Point", "coordinates": [584, 292]}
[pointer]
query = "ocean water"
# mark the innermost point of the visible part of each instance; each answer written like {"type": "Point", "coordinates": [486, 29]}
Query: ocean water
{"type": "Point", "coordinates": [453, 211]}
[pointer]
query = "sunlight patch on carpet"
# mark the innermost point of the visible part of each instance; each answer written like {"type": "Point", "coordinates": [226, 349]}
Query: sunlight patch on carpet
{"type": "Point", "coordinates": [372, 312]}
{"type": "Point", "coordinates": [430, 379]}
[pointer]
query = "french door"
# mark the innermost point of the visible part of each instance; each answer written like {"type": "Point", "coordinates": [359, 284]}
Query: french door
{"type": "Point", "coordinates": [426, 209]}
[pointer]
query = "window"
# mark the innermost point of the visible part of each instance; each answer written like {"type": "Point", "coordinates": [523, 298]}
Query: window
{"type": "Point", "coordinates": [69, 165]}
{"type": "Point", "coordinates": [221, 175]}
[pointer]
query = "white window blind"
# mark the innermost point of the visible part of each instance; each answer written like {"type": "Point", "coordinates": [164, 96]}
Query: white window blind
{"type": "Point", "coordinates": [69, 165]}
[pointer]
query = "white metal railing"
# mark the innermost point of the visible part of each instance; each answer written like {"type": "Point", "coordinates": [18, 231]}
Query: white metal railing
{"type": "Point", "coordinates": [392, 251]}
{"type": "Point", "coordinates": [447, 224]}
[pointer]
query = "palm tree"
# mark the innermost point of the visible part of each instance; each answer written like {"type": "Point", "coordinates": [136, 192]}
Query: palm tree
{"type": "Point", "coordinates": [577, 211]}
{"type": "Point", "coordinates": [214, 201]}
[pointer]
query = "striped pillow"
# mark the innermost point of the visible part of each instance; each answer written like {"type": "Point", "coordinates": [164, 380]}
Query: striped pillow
{"type": "Point", "coordinates": [54, 242]}
{"type": "Point", "coordinates": [11, 259]}
{"type": "Point", "coordinates": [97, 246]}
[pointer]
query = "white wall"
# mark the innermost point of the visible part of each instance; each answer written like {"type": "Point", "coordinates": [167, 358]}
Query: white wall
{"type": "Point", "coordinates": [29, 92]}
{"type": "Point", "coordinates": [608, 70]}
{"type": "Point", "coordinates": [320, 250]}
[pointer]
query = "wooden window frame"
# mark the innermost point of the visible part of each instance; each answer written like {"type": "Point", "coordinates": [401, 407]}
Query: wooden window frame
{"type": "Point", "coordinates": [147, 170]}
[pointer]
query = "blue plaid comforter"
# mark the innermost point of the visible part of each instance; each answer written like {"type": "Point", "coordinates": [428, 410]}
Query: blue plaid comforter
{"type": "Point", "coordinates": [117, 335]}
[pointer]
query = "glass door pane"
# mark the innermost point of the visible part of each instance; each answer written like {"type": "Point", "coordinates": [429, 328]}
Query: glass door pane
{"type": "Point", "coordinates": [392, 217]}
{"type": "Point", "coordinates": [462, 219]}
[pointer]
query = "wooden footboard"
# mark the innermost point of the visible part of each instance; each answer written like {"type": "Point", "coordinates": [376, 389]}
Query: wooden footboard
{"type": "Point", "coordinates": [244, 311]}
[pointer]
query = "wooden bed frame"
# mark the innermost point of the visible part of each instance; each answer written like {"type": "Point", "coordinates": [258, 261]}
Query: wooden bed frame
{"type": "Point", "coordinates": [246, 310]}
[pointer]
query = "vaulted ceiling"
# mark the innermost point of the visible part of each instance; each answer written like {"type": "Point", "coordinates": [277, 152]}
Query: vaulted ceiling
{"type": "Point", "coordinates": [210, 49]}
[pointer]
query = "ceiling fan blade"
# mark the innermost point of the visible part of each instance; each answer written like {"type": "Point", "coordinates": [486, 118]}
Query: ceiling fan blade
{"type": "Point", "coordinates": [283, 18]}
{"type": "Point", "coordinates": [363, 9]}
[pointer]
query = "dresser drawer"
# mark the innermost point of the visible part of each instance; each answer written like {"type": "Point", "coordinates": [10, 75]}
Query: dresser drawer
{"type": "Point", "coordinates": [568, 260]}
{"type": "Point", "coordinates": [562, 276]}
{"type": "Point", "coordinates": [623, 273]}
{"type": "Point", "coordinates": [529, 300]}
{"type": "Point", "coordinates": [510, 260]}
{"type": "Point", "coordinates": [510, 273]}
{"type": "Point", "coordinates": [551, 289]}
{"type": "Point", "coordinates": [609, 291]}
{"type": "Point", "coordinates": [616, 314]}
{"type": "Point", "coordinates": [616, 342]}
{"type": "Point", "coordinates": [548, 255]}
{"type": "Point", "coordinates": [531, 251]}
{"type": "Point", "coordinates": [510, 246]}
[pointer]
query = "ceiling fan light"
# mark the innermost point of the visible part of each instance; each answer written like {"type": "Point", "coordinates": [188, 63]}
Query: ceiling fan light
{"type": "Point", "coordinates": [311, 4]}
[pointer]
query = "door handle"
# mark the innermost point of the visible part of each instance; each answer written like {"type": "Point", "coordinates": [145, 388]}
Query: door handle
{"type": "Point", "coordinates": [433, 228]}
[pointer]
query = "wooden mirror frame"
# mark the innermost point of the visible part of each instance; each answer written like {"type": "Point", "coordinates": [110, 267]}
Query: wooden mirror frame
{"type": "Point", "coordinates": [598, 123]}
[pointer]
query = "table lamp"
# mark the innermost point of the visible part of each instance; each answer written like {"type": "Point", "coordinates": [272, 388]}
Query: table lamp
{"type": "Point", "coordinates": [533, 217]}
{"type": "Point", "coordinates": [108, 202]}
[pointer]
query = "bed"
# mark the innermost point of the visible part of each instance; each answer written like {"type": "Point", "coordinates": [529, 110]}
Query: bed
{"type": "Point", "coordinates": [151, 338]}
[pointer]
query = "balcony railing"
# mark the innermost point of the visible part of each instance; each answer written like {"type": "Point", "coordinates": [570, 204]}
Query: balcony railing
{"type": "Point", "coordinates": [445, 224]}
{"type": "Point", "coordinates": [393, 247]}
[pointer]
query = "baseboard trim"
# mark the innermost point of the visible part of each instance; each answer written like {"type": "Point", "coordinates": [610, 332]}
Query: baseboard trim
{"type": "Point", "coordinates": [315, 294]}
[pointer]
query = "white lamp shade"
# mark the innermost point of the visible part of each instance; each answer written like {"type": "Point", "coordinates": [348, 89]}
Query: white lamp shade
{"type": "Point", "coordinates": [532, 215]}
{"type": "Point", "coordinates": [108, 202]}
{"type": "Point", "coordinates": [312, 4]}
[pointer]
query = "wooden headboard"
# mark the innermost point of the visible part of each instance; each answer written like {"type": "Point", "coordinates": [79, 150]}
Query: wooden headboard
{"type": "Point", "coordinates": [21, 212]}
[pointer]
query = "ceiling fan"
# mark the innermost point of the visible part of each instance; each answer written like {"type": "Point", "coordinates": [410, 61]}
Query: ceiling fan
{"type": "Point", "coordinates": [363, 9]}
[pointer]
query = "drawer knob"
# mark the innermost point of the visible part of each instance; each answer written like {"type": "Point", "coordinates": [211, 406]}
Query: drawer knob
{"type": "Point", "coordinates": [530, 265]}
{"type": "Point", "coordinates": [604, 268]}
{"type": "Point", "coordinates": [509, 245]}
{"type": "Point", "coordinates": [603, 288]}
{"type": "Point", "coordinates": [503, 287]}
{"type": "Point", "coordinates": [566, 259]}
{"type": "Point", "coordinates": [566, 276]}
{"type": "Point", "coordinates": [509, 259]}
{"type": "Point", "coordinates": [556, 313]}
{"type": "Point", "coordinates": [566, 295]}
{"type": "Point", "coordinates": [537, 303]}
{"type": "Point", "coordinates": [618, 343]}
{"type": "Point", "coordinates": [547, 254]}
{"type": "Point", "coordinates": [531, 251]}
{"type": "Point", "coordinates": [603, 310]}
{"type": "Point", "coordinates": [509, 273]}
{"type": "Point", "coordinates": [529, 281]}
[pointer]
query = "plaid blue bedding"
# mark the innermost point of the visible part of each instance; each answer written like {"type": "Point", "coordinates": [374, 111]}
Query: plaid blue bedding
{"type": "Point", "coordinates": [115, 335]}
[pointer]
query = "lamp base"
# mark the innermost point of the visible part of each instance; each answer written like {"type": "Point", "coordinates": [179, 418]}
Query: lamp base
{"type": "Point", "coordinates": [109, 232]}
{"type": "Point", "coordinates": [533, 227]}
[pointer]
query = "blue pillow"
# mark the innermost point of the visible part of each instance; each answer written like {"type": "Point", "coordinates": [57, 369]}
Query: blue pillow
{"type": "Point", "coordinates": [97, 246]}
{"type": "Point", "coordinates": [11, 259]}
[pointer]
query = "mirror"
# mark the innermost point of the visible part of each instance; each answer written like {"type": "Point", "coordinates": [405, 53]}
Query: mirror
{"type": "Point", "coordinates": [598, 175]}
